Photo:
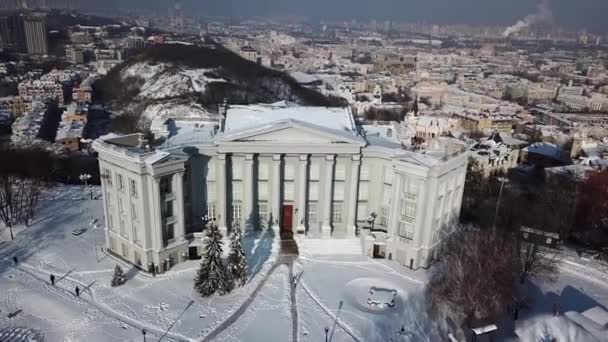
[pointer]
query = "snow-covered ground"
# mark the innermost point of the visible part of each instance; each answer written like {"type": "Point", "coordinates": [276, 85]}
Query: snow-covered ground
{"type": "Point", "coordinates": [331, 291]}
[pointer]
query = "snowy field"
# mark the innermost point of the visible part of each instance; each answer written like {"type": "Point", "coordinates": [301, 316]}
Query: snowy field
{"type": "Point", "coordinates": [331, 290]}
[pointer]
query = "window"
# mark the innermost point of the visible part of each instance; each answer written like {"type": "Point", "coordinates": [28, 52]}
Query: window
{"type": "Point", "coordinates": [132, 187]}
{"type": "Point", "coordinates": [361, 211]}
{"type": "Point", "coordinates": [312, 212]}
{"type": "Point", "coordinates": [288, 191]}
{"type": "Point", "coordinates": [112, 243]}
{"type": "Point", "coordinates": [123, 231]}
{"type": "Point", "coordinates": [313, 191]}
{"type": "Point", "coordinates": [339, 191]}
{"type": "Point", "coordinates": [136, 235]}
{"type": "Point", "coordinates": [364, 173]}
{"type": "Point", "coordinates": [121, 208]}
{"type": "Point", "coordinates": [236, 212]}
{"type": "Point", "coordinates": [237, 170]}
{"type": "Point", "coordinates": [363, 191]}
{"type": "Point", "coordinates": [289, 172]}
{"type": "Point", "coordinates": [340, 172]}
{"type": "Point", "coordinates": [405, 233]}
{"type": "Point", "coordinates": [263, 171]}
{"type": "Point", "coordinates": [211, 171]}
{"type": "Point", "coordinates": [120, 182]}
{"type": "Point", "coordinates": [168, 233]}
{"type": "Point", "coordinates": [314, 171]}
{"type": "Point", "coordinates": [384, 212]}
{"type": "Point", "coordinates": [111, 221]}
{"type": "Point", "coordinates": [211, 209]}
{"type": "Point", "coordinates": [337, 212]}
{"type": "Point", "coordinates": [388, 176]}
{"type": "Point", "coordinates": [263, 213]}
{"type": "Point", "coordinates": [133, 212]}
{"type": "Point", "coordinates": [237, 191]}
{"type": "Point", "coordinates": [107, 175]}
{"type": "Point", "coordinates": [263, 190]}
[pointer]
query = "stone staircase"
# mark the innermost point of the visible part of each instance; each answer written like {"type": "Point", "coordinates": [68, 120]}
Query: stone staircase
{"type": "Point", "coordinates": [320, 247]}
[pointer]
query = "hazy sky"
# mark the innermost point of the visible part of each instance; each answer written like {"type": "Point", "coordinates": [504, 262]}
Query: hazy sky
{"type": "Point", "coordinates": [568, 13]}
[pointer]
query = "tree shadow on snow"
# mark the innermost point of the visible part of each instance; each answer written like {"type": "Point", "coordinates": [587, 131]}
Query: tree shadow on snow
{"type": "Point", "coordinates": [258, 249]}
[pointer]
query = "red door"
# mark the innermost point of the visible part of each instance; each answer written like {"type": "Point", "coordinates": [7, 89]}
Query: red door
{"type": "Point", "coordinates": [287, 220]}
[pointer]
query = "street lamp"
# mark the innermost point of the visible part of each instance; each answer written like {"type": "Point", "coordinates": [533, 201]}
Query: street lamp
{"type": "Point", "coordinates": [326, 331]}
{"type": "Point", "coordinates": [502, 180]}
{"type": "Point", "coordinates": [371, 219]}
{"type": "Point", "coordinates": [143, 332]}
{"type": "Point", "coordinates": [85, 179]}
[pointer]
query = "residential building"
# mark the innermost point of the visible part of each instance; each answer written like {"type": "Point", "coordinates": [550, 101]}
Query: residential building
{"type": "Point", "coordinates": [35, 33]}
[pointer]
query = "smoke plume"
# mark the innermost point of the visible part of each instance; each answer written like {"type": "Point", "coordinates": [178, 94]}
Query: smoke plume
{"type": "Point", "coordinates": [544, 14]}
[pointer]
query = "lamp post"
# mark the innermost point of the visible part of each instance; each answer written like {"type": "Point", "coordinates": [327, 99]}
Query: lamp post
{"type": "Point", "coordinates": [502, 180]}
{"type": "Point", "coordinates": [143, 332]}
{"type": "Point", "coordinates": [326, 331]}
{"type": "Point", "coordinates": [85, 179]}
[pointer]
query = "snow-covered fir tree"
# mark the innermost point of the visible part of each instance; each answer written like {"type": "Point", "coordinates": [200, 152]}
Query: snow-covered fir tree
{"type": "Point", "coordinates": [237, 262]}
{"type": "Point", "coordinates": [119, 277]}
{"type": "Point", "coordinates": [212, 275]}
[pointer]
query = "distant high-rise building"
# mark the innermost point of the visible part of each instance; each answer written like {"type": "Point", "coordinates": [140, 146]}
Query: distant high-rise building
{"type": "Point", "coordinates": [12, 36]}
{"type": "Point", "coordinates": [35, 33]}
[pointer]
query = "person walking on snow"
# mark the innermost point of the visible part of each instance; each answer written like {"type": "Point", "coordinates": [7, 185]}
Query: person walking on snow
{"type": "Point", "coordinates": [52, 279]}
{"type": "Point", "coordinates": [77, 291]}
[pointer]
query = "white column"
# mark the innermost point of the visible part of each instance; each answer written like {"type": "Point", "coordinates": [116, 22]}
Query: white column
{"type": "Point", "coordinates": [221, 194]}
{"type": "Point", "coordinates": [276, 191]}
{"type": "Point", "coordinates": [303, 181]}
{"type": "Point", "coordinates": [178, 205]}
{"type": "Point", "coordinates": [157, 218]}
{"type": "Point", "coordinates": [248, 216]}
{"type": "Point", "coordinates": [353, 196]}
{"type": "Point", "coordinates": [328, 181]}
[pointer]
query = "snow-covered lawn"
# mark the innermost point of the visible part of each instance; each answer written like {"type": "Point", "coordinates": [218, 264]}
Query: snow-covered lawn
{"type": "Point", "coordinates": [332, 291]}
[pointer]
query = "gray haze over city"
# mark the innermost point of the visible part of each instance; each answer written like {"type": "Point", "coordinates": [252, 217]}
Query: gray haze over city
{"type": "Point", "coordinates": [570, 14]}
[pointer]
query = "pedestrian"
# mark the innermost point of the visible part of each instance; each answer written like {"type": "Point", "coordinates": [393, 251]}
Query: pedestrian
{"type": "Point", "coordinates": [15, 260]}
{"type": "Point", "coordinates": [77, 291]}
{"type": "Point", "coordinates": [53, 279]}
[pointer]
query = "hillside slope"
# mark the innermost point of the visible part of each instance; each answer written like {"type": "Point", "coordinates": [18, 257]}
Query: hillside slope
{"type": "Point", "coordinates": [166, 78]}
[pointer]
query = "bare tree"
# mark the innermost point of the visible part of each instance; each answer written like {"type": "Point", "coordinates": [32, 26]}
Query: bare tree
{"type": "Point", "coordinates": [534, 260]}
{"type": "Point", "coordinates": [477, 277]}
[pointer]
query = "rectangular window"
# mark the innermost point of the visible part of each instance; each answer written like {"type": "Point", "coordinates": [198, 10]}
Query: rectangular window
{"type": "Point", "coordinates": [120, 182]}
{"type": "Point", "coordinates": [107, 175]}
{"type": "Point", "coordinates": [263, 191]}
{"type": "Point", "coordinates": [211, 210]}
{"type": "Point", "coordinates": [211, 191]}
{"type": "Point", "coordinates": [340, 172]}
{"type": "Point", "coordinates": [312, 212]}
{"type": "Point", "coordinates": [405, 233]}
{"type": "Point", "coordinates": [362, 211]}
{"type": "Point", "coordinates": [388, 176]}
{"type": "Point", "coordinates": [237, 170]}
{"type": "Point", "coordinates": [263, 213]}
{"type": "Point", "coordinates": [237, 191]}
{"type": "Point", "coordinates": [111, 221]}
{"type": "Point", "coordinates": [313, 191]}
{"type": "Point", "coordinates": [364, 173]}
{"type": "Point", "coordinates": [236, 212]}
{"type": "Point", "coordinates": [132, 187]}
{"type": "Point", "coordinates": [263, 171]}
{"type": "Point", "coordinates": [363, 191]}
{"type": "Point", "coordinates": [288, 191]}
{"type": "Point", "coordinates": [123, 231]}
{"type": "Point", "coordinates": [133, 212]}
{"type": "Point", "coordinates": [386, 194]}
{"type": "Point", "coordinates": [384, 212]}
{"type": "Point", "coordinates": [289, 172]}
{"type": "Point", "coordinates": [210, 171]}
{"type": "Point", "coordinates": [112, 243]}
{"type": "Point", "coordinates": [314, 171]}
{"type": "Point", "coordinates": [136, 235]}
{"type": "Point", "coordinates": [169, 233]}
{"type": "Point", "coordinates": [338, 191]}
{"type": "Point", "coordinates": [337, 212]}
{"type": "Point", "coordinates": [121, 208]}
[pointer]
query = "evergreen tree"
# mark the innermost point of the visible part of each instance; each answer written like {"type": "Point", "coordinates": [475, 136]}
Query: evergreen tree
{"type": "Point", "coordinates": [212, 277]}
{"type": "Point", "coordinates": [119, 277]}
{"type": "Point", "coordinates": [237, 260]}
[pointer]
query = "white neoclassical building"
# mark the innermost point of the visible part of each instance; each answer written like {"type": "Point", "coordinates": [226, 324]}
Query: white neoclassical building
{"type": "Point", "coordinates": [312, 172]}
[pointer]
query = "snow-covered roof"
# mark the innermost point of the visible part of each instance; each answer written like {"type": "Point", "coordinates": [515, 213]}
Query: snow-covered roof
{"type": "Point", "coordinates": [304, 78]}
{"type": "Point", "coordinates": [240, 118]}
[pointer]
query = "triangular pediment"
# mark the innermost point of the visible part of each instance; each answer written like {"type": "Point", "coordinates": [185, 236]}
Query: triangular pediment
{"type": "Point", "coordinates": [292, 133]}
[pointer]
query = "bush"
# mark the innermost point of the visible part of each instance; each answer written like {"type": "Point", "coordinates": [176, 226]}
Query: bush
{"type": "Point", "coordinates": [119, 277]}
